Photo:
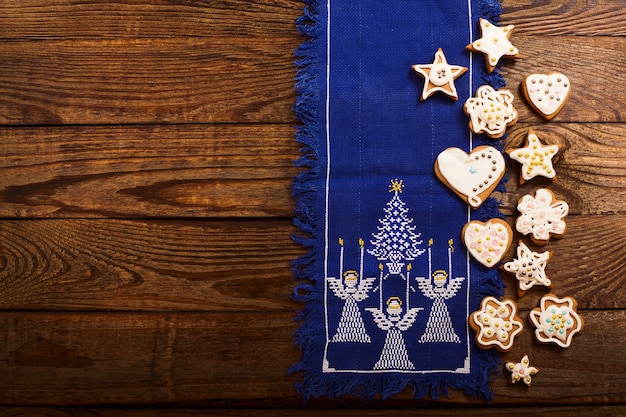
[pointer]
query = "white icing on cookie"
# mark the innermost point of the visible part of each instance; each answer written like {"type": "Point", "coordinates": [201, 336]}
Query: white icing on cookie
{"type": "Point", "coordinates": [490, 111]}
{"type": "Point", "coordinates": [487, 242]}
{"type": "Point", "coordinates": [536, 159]}
{"type": "Point", "coordinates": [556, 320]}
{"type": "Point", "coordinates": [439, 76]}
{"type": "Point", "coordinates": [521, 371]}
{"type": "Point", "coordinates": [529, 267]}
{"type": "Point", "coordinates": [494, 43]}
{"type": "Point", "coordinates": [547, 93]}
{"type": "Point", "coordinates": [541, 216]}
{"type": "Point", "coordinates": [496, 323]}
{"type": "Point", "coordinates": [474, 174]}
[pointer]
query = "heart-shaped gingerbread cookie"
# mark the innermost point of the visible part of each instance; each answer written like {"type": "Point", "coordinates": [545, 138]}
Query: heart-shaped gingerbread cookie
{"type": "Point", "coordinates": [487, 242]}
{"type": "Point", "coordinates": [547, 93]}
{"type": "Point", "coordinates": [471, 176]}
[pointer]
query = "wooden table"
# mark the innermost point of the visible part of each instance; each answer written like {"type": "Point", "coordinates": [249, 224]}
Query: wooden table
{"type": "Point", "coordinates": [146, 159]}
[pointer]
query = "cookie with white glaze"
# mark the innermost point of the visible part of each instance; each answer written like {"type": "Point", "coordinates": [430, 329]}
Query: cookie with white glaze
{"type": "Point", "coordinates": [490, 111]}
{"type": "Point", "coordinates": [529, 268]}
{"type": "Point", "coordinates": [547, 93]}
{"type": "Point", "coordinates": [439, 76]}
{"type": "Point", "coordinates": [473, 176]}
{"type": "Point", "coordinates": [496, 324]}
{"type": "Point", "coordinates": [556, 320]}
{"type": "Point", "coordinates": [494, 43]}
{"type": "Point", "coordinates": [541, 216]}
{"type": "Point", "coordinates": [521, 371]}
{"type": "Point", "coordinates": [535, 158]}
{"type": "Point", "coordinates": [487, 242]}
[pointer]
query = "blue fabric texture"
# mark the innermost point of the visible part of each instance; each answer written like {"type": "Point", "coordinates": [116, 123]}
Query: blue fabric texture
{"type": "Point", "coordinates": [387, 283]}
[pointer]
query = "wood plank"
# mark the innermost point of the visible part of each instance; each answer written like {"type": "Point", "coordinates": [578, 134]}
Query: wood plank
{"type": "Point", "coordinates": [241, 79]}
{"type": "Point", "coordinates": [154, 171]}
{"type": "Point", "coordinates": [241, 359]}
{"type": "Point", "coordinates": [149, 265]}
{"type": "Point", "coordinates": [561, 411]}
{"type": "Point", "coordinates": [566, 17]}
{"type": "Point", "coordinates": [241, 170]}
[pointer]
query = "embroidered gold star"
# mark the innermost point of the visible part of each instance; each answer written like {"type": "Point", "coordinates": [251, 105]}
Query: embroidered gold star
{"type": "Point", "coordinates": [536, 159]}
{"type": "Point", "coordinates": [439, 76]}
{"type": "Point", "coordinates": [494, 43]}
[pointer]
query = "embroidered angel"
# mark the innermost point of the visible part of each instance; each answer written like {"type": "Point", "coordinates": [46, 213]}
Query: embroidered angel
{"type": "Point", "coordinates": [351, 327]}
{"type": "Point", "coordinates": [439, 327]}
{"type": "Point", "coordinates": [394, 354]}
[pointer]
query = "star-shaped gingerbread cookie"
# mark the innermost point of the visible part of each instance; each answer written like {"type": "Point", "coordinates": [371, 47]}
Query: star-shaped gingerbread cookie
{"type": "Point", "coordinates": [439, 76]}
{"type": "Point", "coordinates": [494, 43]}
{"type": "Point", "coordinates": [521, 371]}
{"type": "Point", "coordinates": [529, 268]}
{"type": "Point", "coordinates": [536, 158]}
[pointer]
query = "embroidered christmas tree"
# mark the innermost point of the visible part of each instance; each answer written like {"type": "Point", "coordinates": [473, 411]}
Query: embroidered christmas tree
{"type": "Point", "coordinates": [396, 240]}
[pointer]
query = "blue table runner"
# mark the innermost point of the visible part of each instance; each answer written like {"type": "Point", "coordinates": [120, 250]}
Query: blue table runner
{"type": "Point", "coordinates": [387, 282]}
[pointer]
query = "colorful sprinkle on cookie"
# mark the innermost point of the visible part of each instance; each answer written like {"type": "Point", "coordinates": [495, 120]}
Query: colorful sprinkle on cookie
{"type": "Point", "coordinates": [471, 176]}
{"type": "Point", "coordinates": [556, 320]}
{"type": "Point", "coordinates": [496, 323]}
{"type": "Point", "coordinates": [541, 216]}
{"type": "Point", "coordinates": [487, 242]}
{"type": "Point", "coordinates": [521, 371]}
{"type": "Point", "coordinates": [546, 93]}
{"type": "Point", "coordinates": [490, 111]}
{"type": "Point", "coordinates": [529, 268]}
{"type": "Point", "coordinates": [535, 157]}
{"type": "Point", "coordinates": [494, 43]}
{"type": "Point", "coordinates": [439, 76]}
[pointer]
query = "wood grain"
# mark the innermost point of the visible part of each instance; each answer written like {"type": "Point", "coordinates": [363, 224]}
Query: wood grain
{"type": "Point", "coordinates": [241, 359]}
{"type": "Point", "coordinates": [141, 265]}
{"type": "Point", "coordinates": [156, 171]}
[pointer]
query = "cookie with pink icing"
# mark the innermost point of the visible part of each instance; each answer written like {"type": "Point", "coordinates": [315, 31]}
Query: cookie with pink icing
{"type": "Point", "coordinates": [529, 268]}
{"type": "Point", "coordinates": [471, 176]}
{"type": "Point", "coordinates": [494, 43]}
{"type": "Point", "coordinates": [490, 111]}
{"type": "Point", "coordinates": [547, 93]}
{"type": "Point", "coordinates": [541, 216]}
{"type": "Point", "coordinates": [556, 320]}
{"type": "Point", "coordinates": [496, 323]}
{"type": "Point", "coordinates": [536, 159]}
{"type": "Point", "coordinates": [487, 241]}
{"type": "Point", "coordinates": [522, 371]}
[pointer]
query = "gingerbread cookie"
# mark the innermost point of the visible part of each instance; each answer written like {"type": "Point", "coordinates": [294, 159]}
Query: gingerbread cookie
{"type": "Point", "coordinates": [529, 268]}
{"type": "Point", "coordinates": [541, 216]}
{"type": "Point", "coordinates": [487, 242]}
{"type": "Point", "coordinates": [546, 93]}
{"type": "Point", "coordinates": [439, 76]}
{"type": "Point", "coordinates": [536, 158]}
{"type": "Point", "coordinates": [496, 324]}
{"type": "Point", "coordinates": [471, 176]}
{"type": "Point", "coordinates": [556, 320]}
{"type": "Point", "coordinates": [490, 111]}
{"type": "Point", "coordinates": [521, 371]}
{"type": "Point", "coordinates": [494, 43]}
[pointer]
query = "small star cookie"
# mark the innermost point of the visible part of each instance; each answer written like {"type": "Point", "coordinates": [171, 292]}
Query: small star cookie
{"type": "Point", "coordinates": [496, 323]}
{"type": "Point", "coordinates": [439, 76]}
{"type": "Point", "coordinates": [529, 268]}
{"type": "Point", "coordinates": [494, 43]}
{"type": "Point", "coordinates": [556, 320]}
{"type": "Point", "coordinates": [521, 371]}
{"type": "Point", "coordinates": [536, 158]}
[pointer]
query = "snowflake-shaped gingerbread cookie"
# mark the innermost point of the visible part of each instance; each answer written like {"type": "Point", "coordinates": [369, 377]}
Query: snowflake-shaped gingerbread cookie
{"type": "Point", "coordinates": [521, 371]}
{"type": "Point", "coordinates": [496, 324]}
{"type": "Point", "coordinates": [529, 268]}
{"type": "Point", "coordinates": [490, 111]}
{"type": "Point", "coordinates": [541, 216]}
{"type": "Point", "coordinates": [556, 320]}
